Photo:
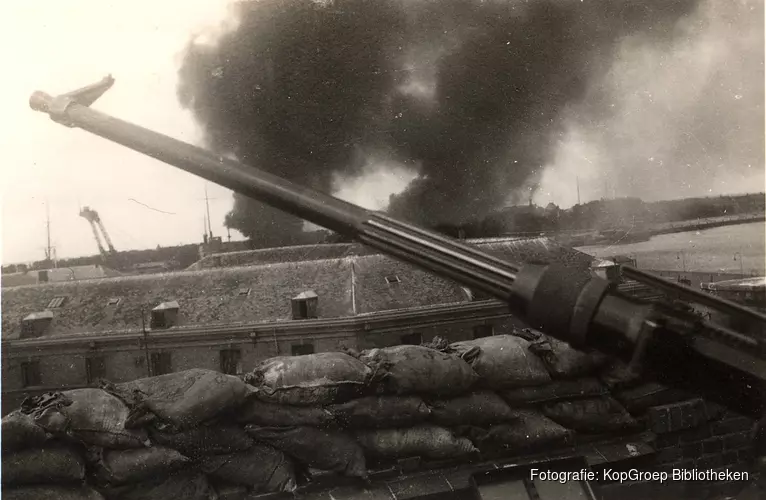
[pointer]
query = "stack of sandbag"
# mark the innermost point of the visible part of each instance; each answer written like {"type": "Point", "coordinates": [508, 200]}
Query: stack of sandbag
{"type": "Point", "coordinates": [156, 438]}
{"type": "Point", "coordinates": [197, 433]}
{"type": "Point", "coordinates": [37, 465]}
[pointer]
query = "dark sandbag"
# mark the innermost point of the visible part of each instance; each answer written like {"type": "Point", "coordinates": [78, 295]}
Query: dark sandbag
{"type": "Point", "coordinates": [255, 411]}
{"type": "Point", "coordinates": [262, 467]}
{"type": "Point", "coordinates": [618, 375]}
{"type": "Point", "coordinates": [51, 492]}
{"type": "Point", "coordinates": [555, 391]}
{"type": "Point", "coordinates": [427, 441]}
{"type": "Point", "coordinates": [93, 416]}
{"type": "Point", "coordinates": [231, 492]}
{"type": "Point", "coordinates": [187, 398]}
{"type": "Point", "coordinates": [529, 431]}
{"type": "Point", "coordinates": [565, 362]}
{"type": "Point", "coordinates": [638, 399]}
{"type": "Point", "coordinates": [319, 448]}
{"type": "Point", "coordinates": [186, 485]}
{"type": "Point", "coordinates": [313, 379]}
{"type": "Point", "coordinates": [128, 466]}
{"type": "Point", "coordinates": [203, 440]}
{"type": "Point", "coordinates": [591, 416]}
{"type": "Point", "coordinates": [410, 369]}
{"type": "Point", "coordinates": [20, 431]}
{"type": "Point", "coordinates": [52, 465]}
{"type": "Point", "coordinates": [503, 361]}
{"type": "Point", "coordinates": [381, 411]}
{"type": "Point", "coordinates": [478, 408]}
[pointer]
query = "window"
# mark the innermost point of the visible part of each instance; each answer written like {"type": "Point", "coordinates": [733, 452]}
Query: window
{"type": "Point", "coordinates": [480, 331]}
{"type": "Point", "coordinates": [95, 369]}
{"type": "Point", "coordinates": [164, 315]}
{"type": "Point", "coordinates": [303, 349]}
{"type": "Point", "coordinates": [56, 302]}
{"type": "Point", "coordinates": [243, 292]}
{"type": "Point", "coordinates": [412, 339]}
{"type": "Point", "coordinates": [27, 327]}
{"type": "Point", "coordinates": [305, 305]}
{"type": "Point", "coordinates": [161, 363]}
{"type": "Point", "coordinates": [393, 279]}
{"type": "Point", "coordinates": [113, 301]}
{"type": "Point", "coordinates": [30, 374]}
{"type": "Point", "coordinates": [231, 361]}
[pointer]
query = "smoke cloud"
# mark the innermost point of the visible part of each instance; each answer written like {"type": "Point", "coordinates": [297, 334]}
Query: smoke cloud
{"type": "Point", "coordinates": [670, 120]}
{"type": "Point", "coordinates": [472, 97]}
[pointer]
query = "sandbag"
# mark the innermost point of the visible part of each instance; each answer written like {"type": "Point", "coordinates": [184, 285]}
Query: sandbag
{"type": "Point", "coordinates": [187, 398]}
{"type": "Point", "coordinates": [93, 416]}
{"type": "Point", "coordinates": [255, 411]}
{"type": "Point", "coordinates": [503, 361]}
{"type": "Point", "coordinates": [427, 441]}
{"type": "Point", "coordinates": [557, 390]}
{"type": "Point", "coordinates": [128, 466]}
{"type": "Point", "coordinates": [638, 399]}
{"type": "Point", "coordinates": [182, 485]}
{"type": "Point", "coordinates": [203, 440]}
{"type": "Point", "coordinates": [20, 431]}
{"type": "Point", "coordinates": [618, 375]}
{"type": "Point", "coordinates": [262, 467]}
{"type": "Point", "coordinates": [51, 492]}
{"type": "Point", "coordinates": [313, 379]}
{"type": "Point", "coordinates": [478, 408]}
{"type": "Point", "coordinates": [565, 362]}
{"type": "Point", "coordinates": [591, 416]}
{"type": "Point", "coordinates": [319, 448]}
{"type": "Point", "coordinates": [380, 411]}
{"type": "Point", "coordinates": [529, 431]}
{"type": "Point", "coordinates": [410, 369]}
{"type": "Point", "coordinates": [51, 465]}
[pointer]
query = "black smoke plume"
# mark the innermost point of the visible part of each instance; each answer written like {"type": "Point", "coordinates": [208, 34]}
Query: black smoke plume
{"type": "Point", "coordinates": [466, 92]}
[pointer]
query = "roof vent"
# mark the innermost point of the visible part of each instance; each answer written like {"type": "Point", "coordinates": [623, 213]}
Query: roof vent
{"type": "Point", "coordinates": [36, 324]}
{"type": "Point", "coordinates": [243, 291]}
{"type": "Point", "coordinates": [57, 302]}
{"type": "Point", "coordinates": [113, 301]}
{"type": "Point", "coordinates": [165, 315]}
{"type": "Point", "coordinates": [393, 279]}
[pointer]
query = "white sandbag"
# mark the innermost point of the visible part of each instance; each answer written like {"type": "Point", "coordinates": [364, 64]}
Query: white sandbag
{"type": "Point", "coordinates": [427, 441]}
{"type": "Point", "coordinates": [503, 361]}
{"type": "Point", "coordinates": [313, 379]}
{"type": "Point", "coordinates": [410, 369]}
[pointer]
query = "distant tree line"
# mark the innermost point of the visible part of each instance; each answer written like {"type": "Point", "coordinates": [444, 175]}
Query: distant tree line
{"type": "Point", "coordinates": [594, 215]}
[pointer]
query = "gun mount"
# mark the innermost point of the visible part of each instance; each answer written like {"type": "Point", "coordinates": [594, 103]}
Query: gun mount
{"type": "Point", "coordinates": [566, 302]}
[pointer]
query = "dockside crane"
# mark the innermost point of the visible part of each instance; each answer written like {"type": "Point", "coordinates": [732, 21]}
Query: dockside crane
{"type": "Point", "coordinates": [95, 223]}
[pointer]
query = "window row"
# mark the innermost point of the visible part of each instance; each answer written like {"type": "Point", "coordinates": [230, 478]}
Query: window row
{"type": "Point", "coordinates": [230, 362]}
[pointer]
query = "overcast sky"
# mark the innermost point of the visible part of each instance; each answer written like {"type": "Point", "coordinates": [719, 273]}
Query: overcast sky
{"type": "Point", "coordinates": [58, 46]}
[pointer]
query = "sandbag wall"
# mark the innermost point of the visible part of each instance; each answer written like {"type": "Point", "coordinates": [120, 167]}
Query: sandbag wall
{"type": "Point", "coordinates": [198, 433]}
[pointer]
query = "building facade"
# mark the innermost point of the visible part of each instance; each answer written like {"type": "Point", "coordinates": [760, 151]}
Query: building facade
{"type": "Point", "coordinates": [292, 301]}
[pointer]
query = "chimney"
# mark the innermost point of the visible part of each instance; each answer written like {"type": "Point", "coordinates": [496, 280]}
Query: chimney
{"type": "Point", "coordinates": [42, 276]}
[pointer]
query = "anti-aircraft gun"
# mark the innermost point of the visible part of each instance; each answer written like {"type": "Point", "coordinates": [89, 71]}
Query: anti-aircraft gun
{"type": "Point", "coordinates": [674, 347]}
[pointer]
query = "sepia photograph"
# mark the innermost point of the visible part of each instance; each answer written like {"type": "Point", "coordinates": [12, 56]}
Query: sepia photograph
{"type": "Point", "coordinates": [383, 249]}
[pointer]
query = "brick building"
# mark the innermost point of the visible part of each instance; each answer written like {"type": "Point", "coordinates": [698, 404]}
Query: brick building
{"type": "Point", "coordinates": [232, 310]}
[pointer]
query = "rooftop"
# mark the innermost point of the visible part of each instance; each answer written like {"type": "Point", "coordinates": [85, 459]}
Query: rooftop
{"type": "Point", "coordinates": [349, 283]}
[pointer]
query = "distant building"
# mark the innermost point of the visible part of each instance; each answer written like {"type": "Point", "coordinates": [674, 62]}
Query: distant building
{"type": "Point", "coordinates": [57, 275]}
{"type": "Point", "coordinates": [295, 300]}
